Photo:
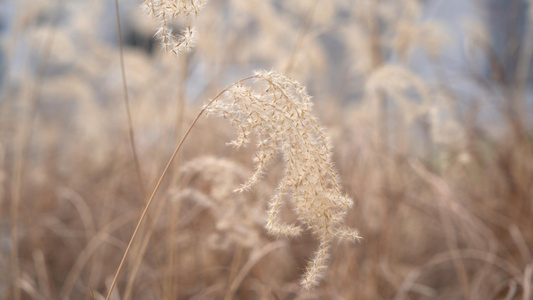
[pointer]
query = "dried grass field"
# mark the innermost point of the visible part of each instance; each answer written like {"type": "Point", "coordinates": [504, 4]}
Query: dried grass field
{"type": "Point", "coordinates": [266, 149]}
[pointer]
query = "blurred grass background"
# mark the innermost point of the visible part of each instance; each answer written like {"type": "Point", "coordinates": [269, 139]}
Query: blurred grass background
{"type": "Point", "coordinates": [428, 104]}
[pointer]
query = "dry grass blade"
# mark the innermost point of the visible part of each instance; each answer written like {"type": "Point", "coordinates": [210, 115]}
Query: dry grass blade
{"type": "Point", "coordinates": [487, 257]}
{"type": "Point", "coordinates": [528, 275]}
{"type": "Point", "coordinates": [156, 188]}
{"type": "Point", "coordinates": [85, 255]}
{"type": "Point", "coordinates": [43, 279]}
{"type": "Point", "coordinates": [445, 204]}
{"type": "Point", "coordinates": [252, 261]}
{"type": "Point", "coordinates": [23, 147]}
{"type": "Point", "coordinates": [127, 104]}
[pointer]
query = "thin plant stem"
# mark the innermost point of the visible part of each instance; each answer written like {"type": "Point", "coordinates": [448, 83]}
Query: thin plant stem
{"type": "Point", "coordinates": [127, 104]}
{"type": "Point", "coordinates": [301, 36]}
{"type": "Point", "coordinates": [24, 138]}
{"type": "Point", "coordinates": [252, 261]}
{"type": "Point", "coordinates": [158, 185]}
{"type": "Point", "coordinates": [145, 239]}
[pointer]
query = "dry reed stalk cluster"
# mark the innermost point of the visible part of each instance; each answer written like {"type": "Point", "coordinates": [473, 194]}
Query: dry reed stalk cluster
{"type": "Point", "coordinates": [279, 112]}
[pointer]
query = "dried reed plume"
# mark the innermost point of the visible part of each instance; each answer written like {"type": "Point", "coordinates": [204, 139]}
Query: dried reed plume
{"type": "Point", "coordinates": [280, 114]}
{"type": "Point", "coordinates": [166, 11]}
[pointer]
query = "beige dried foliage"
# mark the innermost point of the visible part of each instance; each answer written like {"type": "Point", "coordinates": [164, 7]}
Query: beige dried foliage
{"type": "Point", "coordinates": [476, 29]}
{"type": "Point", "coordinates": [430, 36]}
{"type": "Point", "coordinates": [445, 129]}
{"type": "Point", "coordinates": [278, 111]}
{"type": "Point", "coordinates": [357, 42]}
{"type": "Point", "coordinates": [476, 43]}
{"type": "Point", "coordinates": [265, 33]}
{"type": "Point", "coordinates": [261, 32]}
{"type": "Point", "coordinates": [398, 83]}
{"type": "Point", "coordinates": [324, 14]}
{"type": "Point", "coordinates": [393, 27]}
{"type": "Point", "coordinates": [63, 53]}
{"type": "Point", "coordinates": [238, 216]}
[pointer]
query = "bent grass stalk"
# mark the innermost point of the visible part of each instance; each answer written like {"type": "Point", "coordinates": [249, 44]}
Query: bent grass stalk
{"type": "Point", "coordinates": [158, 185]}
{"type": "Point", "coordinates": [280, 114]}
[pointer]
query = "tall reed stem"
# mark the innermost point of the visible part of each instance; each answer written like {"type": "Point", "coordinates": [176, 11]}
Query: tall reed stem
{"type": "Point", "coordinates": [127, 104]}
{"type": "Point", "coordinates": [158, 185]}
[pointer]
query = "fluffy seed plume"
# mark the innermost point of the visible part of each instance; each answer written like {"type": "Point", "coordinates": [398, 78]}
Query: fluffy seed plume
{"type": "Point", "coordinates": [166, 11]}
{"type": "Point", "coordinates": [278, 110]}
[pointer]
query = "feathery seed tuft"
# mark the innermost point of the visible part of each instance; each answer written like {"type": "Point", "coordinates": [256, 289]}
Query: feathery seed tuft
{"type": "Point", "coordinates": [278, 110]}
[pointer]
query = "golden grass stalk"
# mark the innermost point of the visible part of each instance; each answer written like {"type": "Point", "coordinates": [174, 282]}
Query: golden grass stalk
{"type": "Point", "coordinates": [281, 115]}
{"type": "Point", "coordinates": [156, 188]}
